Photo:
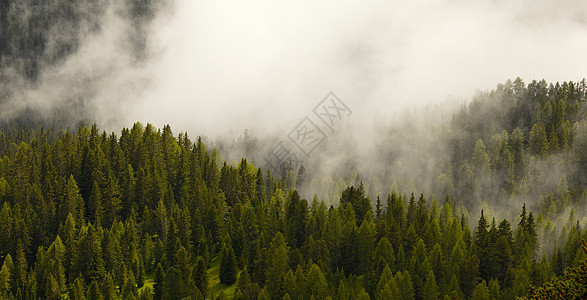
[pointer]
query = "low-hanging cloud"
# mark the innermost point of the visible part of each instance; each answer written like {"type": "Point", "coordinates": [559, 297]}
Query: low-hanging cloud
{"type": "Point", "coordinates": [263, 64]}
{"type": "Point", "coordinates": [215, 66]}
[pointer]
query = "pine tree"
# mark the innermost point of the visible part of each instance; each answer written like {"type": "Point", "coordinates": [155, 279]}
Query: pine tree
{"type": "Point", "coordinates": [480, 160]}
{"type": "Point", "coordinates": [532, 234]}
{"type": "Point", "coordinates": [356, 197]}
{"type": "Point", "coordinates": [200, 276]}
{"type": "Point", "coordinates": [366, 240]}
{"type": "Point", "coordinates": [363, 295]}
{"type": "Point", "coordinates": [277, 265]}
{"type": "Point", "coordinates": [469, 276]}
{"type": "Point", "coordinates": [129, 290]}
{"type": "Point", "coordinates": [260, 188]}
{"type": "Point", "coordinates": [454, 288]}
{"type": "Point", "coordinates": [182, 264]}
{"type": "Point", "coordinates": [482, 241]}
{"type": "Point", "coordinates": [94, 292]}
{"type": "Point", "coordinates": [538, 141]}
{"type": "Point", "coordinates": [147, 294]}
{"type": "Point", "coordinates": [108, 288]}
{"type": "Point", "coordinates": [89, 262]}
{"type": "Point", "coordinates": [78, 289]}
{"type": "Point", "coordinates": [228, 266]}
{"type": "Point", "coordinates": [316, 283]}
{"type": "Point", "coordinates": [481, 292]}
{"type": "Point", "coordinates": [378, 209]}
{"type": "Point", "coordinates": [94, 207]}
{"type": "Point", "coordinates": [31, 286]}
{"type": "Point", "coordinates": [405, 282]}
{"type": "Point", "coordinates": [111, 201]}
{"type": "Point", "coordinates": [6, 276]}
{"type": "Point", "coordinates": [20, 267]}
{"type": "Point", "coordinates": [51, 288]}
{"type": "Point", "coordinates": [296, 217]}
{"type": "Point", "coordinates": [384, 253]}
{"type": "Point", "coordinates": [430, 288]}
{"type": "Point", "coordinates": [301, 178]}
{"type": "Point", "coordinates": [159, 286]}
{"type": "Point", "coordinates": [391, 290]}
{"type": "Point", "coordinates": [245, 288]}
{"type": "Point", "coordinates": [504, 260]}
{"type": "Point", "coordinates": [72, 202]}
{"type": "Point", "coordinates": [494, 289]}
{"type": "Point", "coordinates": [385, 277]}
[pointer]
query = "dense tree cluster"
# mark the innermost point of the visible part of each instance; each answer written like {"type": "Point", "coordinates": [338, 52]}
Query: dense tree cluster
{"type": "Point", "coordinates": [519, 143]}
{"type": "Point", "coordinates": [572, 286]}
{"type": "Point", "coordinates": [150, 215]}
{"type": "Point", "coordinates": [147, 214]}
{"type": "Point", "coordinates": [508, 135]}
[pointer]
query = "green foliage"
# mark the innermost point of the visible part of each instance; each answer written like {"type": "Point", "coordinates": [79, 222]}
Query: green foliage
{"type": "Point", "coordinates": [228, 267]}
{"type": "Point", "coordinates": [153, 210]}
{"type": "Point", "coordinates": [200, 276]}
{"type": "Point", "coordinates": [481, 292]}
{"type": "Point", "coordinates": [430, 287]}
{"type": "Point", "coordinates": [316, 282]}
{"type": "Point", "coordinates": [159, 286]}
{"type": "Point", "coordinates": [356, 197]}
{"type": "Point", "coordinates": [277, 265]}
{"type": "Point", "coordinates": [572, 286]}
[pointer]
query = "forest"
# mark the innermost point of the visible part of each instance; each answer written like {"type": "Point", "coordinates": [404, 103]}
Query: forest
{"type": "Point", "coordinates": [153, 215]}
{"type": "Point", "coordinates": [487, 202]}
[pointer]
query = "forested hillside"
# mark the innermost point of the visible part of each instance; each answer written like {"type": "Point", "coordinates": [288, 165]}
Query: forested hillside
{"type": "Point", "coordinates": [519, 143]}
{"type": "Point", "coordinates": [485, 201]}
{"type": "Point", "coordinates": [147, 214]}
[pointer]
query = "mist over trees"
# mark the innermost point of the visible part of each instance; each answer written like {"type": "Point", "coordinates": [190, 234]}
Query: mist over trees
{"type": "Point", "coordinates": [37, 41]}
{"type": "Point", "coordinates": [519, 143]}
{"type": "Point", "coordinates": [148, 214]}
{"type": "Point", "coordinates": [485, 201]}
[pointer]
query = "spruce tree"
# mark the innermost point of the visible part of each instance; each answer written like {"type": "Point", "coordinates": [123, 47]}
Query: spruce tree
{"type": "Point", "coordinates": [481, 292]}
{"type": "Point", "coordinates": [94, 292]}
{"type": "Point", "coordinates": [158, 286]}
{"type": "Point", "coordinates": [108, 288]}
{"type": "Point", "coordinates": [430, 288]}
{"type": "Point", "coordinates": [200, 276]}
{"type": "Point", "coordinates": [228, 267]}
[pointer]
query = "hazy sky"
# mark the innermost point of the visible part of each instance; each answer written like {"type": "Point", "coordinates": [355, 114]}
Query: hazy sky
{"type": "Point", "coordinates": [262, 64]}
{"type": "Point", "coordinates": [219, 66]}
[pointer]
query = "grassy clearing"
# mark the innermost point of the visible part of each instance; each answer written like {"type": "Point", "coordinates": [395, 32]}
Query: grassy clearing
{"type": "Point", "coordinates": [214, 285]}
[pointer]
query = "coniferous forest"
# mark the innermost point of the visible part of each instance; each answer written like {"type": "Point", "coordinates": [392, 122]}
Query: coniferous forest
{"type": "Point", "coordinates": [152, 215]}
{"type": "Point", "coordinates": [491, 203]}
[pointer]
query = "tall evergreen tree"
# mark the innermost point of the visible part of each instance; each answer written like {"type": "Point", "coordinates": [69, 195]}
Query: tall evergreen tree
{"type": "Point", "coordinates": [228, 265]}
{"type": "Point", "coordinates": [200, 276]}
{"type": "Point", "coordinates": [159, 285]}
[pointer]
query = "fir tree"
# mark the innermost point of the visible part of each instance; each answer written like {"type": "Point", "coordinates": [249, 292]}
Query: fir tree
{"type": "Point", "coordinates": [228, 265]}
{"type": "Point", "coordinates": [200, 276]}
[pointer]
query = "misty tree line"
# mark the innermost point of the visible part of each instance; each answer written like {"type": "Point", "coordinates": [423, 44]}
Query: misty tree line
{"type": "Point", "coordinates": [517, 143]}
{"type": "Point", "coordinates": [150, 215]}
{"type": "Point", "coordinates": [38, 37]}
{"type": "Point", "coordinates": [515, 129]}
{"type": "Point", "coordinates": [39, 34]}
